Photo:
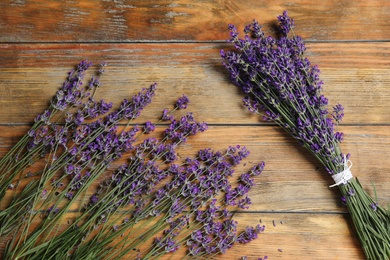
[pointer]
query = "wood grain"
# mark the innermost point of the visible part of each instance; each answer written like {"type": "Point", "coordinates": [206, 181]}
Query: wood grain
{"type": "Point", "coordinates": [301, 236]}
{"type": "Point", "coordinates": [352, 73]}
{"type": "Point", "coordinates": [292, 181]}
{"type": "Point", "coordinates": [132, 21]}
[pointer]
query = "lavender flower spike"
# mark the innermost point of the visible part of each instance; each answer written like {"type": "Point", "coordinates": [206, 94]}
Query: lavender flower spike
{"type": "Point", "coordinates": [182, 102]}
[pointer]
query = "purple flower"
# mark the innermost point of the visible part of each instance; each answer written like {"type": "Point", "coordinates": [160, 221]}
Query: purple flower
{"type": "Point", "coordinates": [69, 195]}
{"type": "Point", "coordinates": [84, 65]}
{"type": "Point", "coordinates": [285, 86]}
{"type": "Point", "coordinates": [178, 131]}
{"type": "Point", "coordinates": [182, 102]}
{"type": "Point", "coordinates": [115, 227]}
{"type": "Point", "coordinates": [94, 199]}
{"type": "Point", "coordinates": [132, 109]}
{"type": "Point", "coordinates": [53, 210]}
{"type": "Point", "coordinates": [225, 213]}
{"type": "Point", "coordinates": [31, 133]}
{"type": "Point", "coordinates": [79, 119]}
{"type": "Point", "coordinates": [44, 194]}
{"type": "Point", "coordinates": [241, 154]}
{"type": "Point", "coordinates": [102, 68]}
{"type": "Point", "coordinates": [286, 23]}
{"type": "Point", "coordinates": [169, 154]}
{"type": "Point", "coordinates": [44, 117]}
{"type": "Point", "coordinates": [205, 154]}
{"type": "Point", "coordinates": [69, 169]}
{"type": "Point", "coordinates": [166, 244]}
{"type": "Point", "coordinates": [166, 116]}
{"type": "Point", "coordinates": [247, 180]}
{"type": "Point", "coordinates": [244, 203]}
{"type": "Point", "coordinates": [93, 83]}
{"type": "Point", "coordinates": [250, 234]}
{"type": "Point", "coordinates": [252, 105]}
{"type": "Point", "coordinates": [257, 169]}
{"type": "Point", "coordinates": [339, 136]}
{"type": "Point", "coordinates": [149, 127]}
{"type": "Point", "coordinates": [338, 113]}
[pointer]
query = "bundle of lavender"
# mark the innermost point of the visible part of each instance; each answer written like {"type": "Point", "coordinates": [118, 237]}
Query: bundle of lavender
{"type": "Point", "coordinates": [285, 88]}
{"type": "Point", "coordinates": [145, 208]}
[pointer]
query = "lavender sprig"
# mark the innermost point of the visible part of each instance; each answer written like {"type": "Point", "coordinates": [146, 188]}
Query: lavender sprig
{"type": "Point", "coordinates": [285, 88]}
{"type": "Point", "coordinates": [47, 139]}
{"type": "Point", "coordinates": [31, 146]}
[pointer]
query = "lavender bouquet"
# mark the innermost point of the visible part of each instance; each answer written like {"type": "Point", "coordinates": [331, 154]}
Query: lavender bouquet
{"type": "Point", "coordinates": [285, 88]}
{"type": "Point", "coordinates": [152, 204]}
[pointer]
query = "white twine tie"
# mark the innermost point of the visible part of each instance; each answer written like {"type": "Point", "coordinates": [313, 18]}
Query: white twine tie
{"type": "Point", "coordinates": [344, 176]}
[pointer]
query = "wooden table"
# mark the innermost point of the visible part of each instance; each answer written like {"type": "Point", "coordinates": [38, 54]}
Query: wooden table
{"type": "Point", "coordinates": [177, 44]}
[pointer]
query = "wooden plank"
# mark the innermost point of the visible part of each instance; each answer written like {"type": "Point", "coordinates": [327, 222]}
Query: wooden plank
{"type": "Point", "coordinates": [340, 55]}
{"type": "Point", "coordinates": [293, 181]}
{"type": "Point", "coordinates": [355, 75]}
{"type": "Point", "coordinates": [301, 236]}
{"type": "Point", "coordinates": [114, 21]}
